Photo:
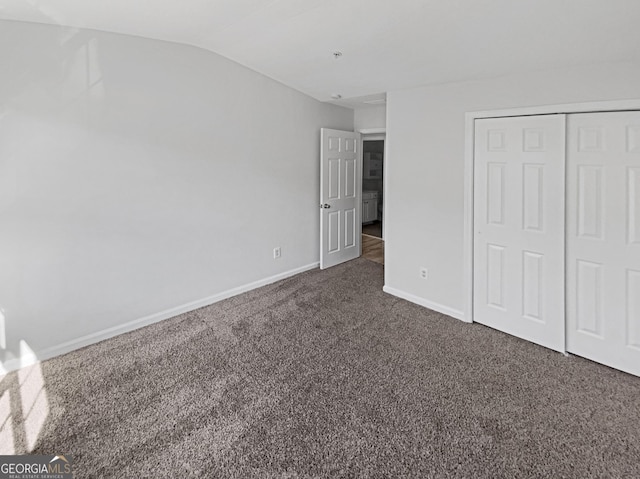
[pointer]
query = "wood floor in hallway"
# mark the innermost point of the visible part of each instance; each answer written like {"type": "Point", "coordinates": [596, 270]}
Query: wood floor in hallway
{"type": "Point", "coordinates": [373, 248]}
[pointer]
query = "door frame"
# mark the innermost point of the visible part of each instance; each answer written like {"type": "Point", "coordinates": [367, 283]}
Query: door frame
{"type": "Point", "coordinates": [470, 117]}
{"type": "Point", "coordinates": [373, 134]}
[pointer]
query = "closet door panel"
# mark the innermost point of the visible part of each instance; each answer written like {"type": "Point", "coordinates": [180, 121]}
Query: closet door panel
{"type": "Point", "coordinates": [603, 238]}
{"type": "Point", "coordinates": [603, 251]}
{"type": "Point", "coordinates": [519, 227]}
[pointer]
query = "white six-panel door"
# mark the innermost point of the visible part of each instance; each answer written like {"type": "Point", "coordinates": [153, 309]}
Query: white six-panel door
{"type": "Point", "coordinates": [519, 227]}
{"type": "Point", "coordinates": [340, 185]}
{"type": "Point", "coordinates": [603, 238]}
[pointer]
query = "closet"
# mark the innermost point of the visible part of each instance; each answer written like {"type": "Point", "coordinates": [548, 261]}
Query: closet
{"type": "Point", "coordinates": [557, 232]}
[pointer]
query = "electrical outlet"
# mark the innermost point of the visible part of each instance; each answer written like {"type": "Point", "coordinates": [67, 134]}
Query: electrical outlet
{"type": "Point", "coordinates": [277, 252]}
{"type": "Point", "coordinates": [424, 274]}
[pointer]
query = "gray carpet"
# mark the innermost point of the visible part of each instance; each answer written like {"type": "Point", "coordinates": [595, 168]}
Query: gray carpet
{"type": "Point", "coordinates": [324, 375]}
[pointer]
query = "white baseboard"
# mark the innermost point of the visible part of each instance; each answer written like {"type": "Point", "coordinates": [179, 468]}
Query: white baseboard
{"type": "Point", "coordinates": [454, 313]}
{"type": "Point", "coordinates": [31, 357]}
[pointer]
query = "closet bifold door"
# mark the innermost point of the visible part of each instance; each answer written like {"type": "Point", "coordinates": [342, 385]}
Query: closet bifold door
{"type": "Point", "coordinates": [603, 238]}
{"type": "Point", "coordinates": [518, 271]}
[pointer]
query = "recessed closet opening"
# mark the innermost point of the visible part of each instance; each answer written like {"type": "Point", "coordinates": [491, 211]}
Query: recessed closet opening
{"type": "Point", "coordinates": [555, 231]}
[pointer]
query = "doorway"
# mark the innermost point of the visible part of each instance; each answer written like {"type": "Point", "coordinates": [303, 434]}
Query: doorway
{"type": "Point", "coordinates": [372, 191]}
{"type": "Point", "coordinates": [373, 198]}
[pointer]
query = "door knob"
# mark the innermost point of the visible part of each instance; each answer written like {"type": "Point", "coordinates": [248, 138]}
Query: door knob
{"type": "Point", "coordinates": [326, 205]}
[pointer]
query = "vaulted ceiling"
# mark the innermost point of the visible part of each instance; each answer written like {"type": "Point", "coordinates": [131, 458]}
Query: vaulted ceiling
{"type": "Point", "coordinates": [385, 44]}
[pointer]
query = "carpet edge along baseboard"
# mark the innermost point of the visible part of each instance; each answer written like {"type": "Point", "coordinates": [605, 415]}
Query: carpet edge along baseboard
{"type": "Point", "coordinates": [29, 357]}
{"type": "Point", "coordinates": [440, 308]}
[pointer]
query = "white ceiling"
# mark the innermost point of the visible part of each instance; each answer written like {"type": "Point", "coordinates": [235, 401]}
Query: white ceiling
{"type": "Point", "coordinates": [386, 44]}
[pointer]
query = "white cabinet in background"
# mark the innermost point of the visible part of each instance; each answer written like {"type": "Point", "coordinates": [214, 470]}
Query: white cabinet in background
{"type": "Point", "coordinates": [369, 206]}
{"type": "Point", "coordinates": [372, 165]}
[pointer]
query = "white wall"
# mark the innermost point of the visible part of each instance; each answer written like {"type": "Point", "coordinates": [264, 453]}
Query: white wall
{"type": "Point", "coordinates": [370, 117]}
{"type": "Point", "coordinates": [137, 176]}
{"type": "Point", "coordinates": [425, 190]}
